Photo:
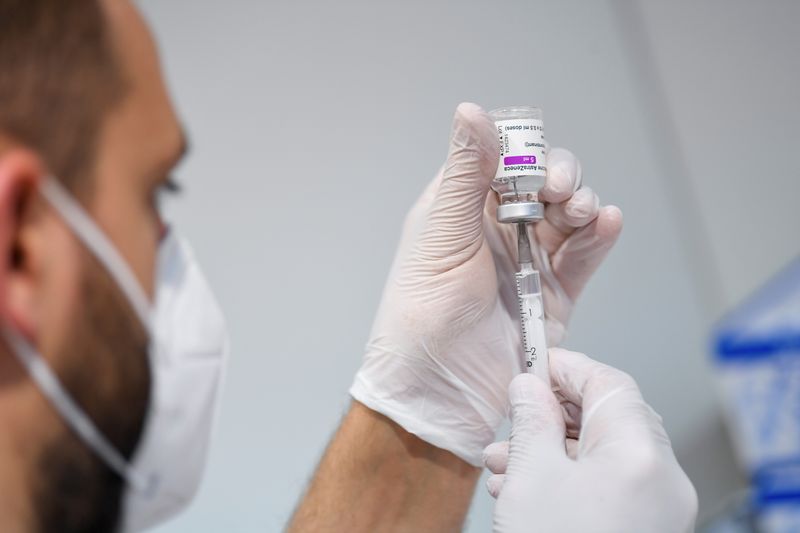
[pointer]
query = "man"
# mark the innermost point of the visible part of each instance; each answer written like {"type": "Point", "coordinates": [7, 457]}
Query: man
{"type": "Point", "coordinates": [82, 99]}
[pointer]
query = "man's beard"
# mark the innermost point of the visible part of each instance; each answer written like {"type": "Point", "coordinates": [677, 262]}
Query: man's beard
{"type": "Point", "coordinates": [104, 366]}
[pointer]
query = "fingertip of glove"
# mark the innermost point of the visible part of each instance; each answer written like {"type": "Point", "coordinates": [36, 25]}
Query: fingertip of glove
{"type": "Point", "coordinates": [495, 454]}
{"type": "Point", "coordinates": [494, 484]}
{"type": "Point", "coordinates": [487, 454]}
{"type": "Point", "coordinates": [472, 124]}
{"type": "Point", "coordinates": [583, 204]}
{"type": "Point", "coordinates": [610, 221]}
{"type": "Point", "coordinates": [561, 358]}
{"type": "Point", "coordinates": [526, 388]}
{"type": "Point", "coordinates": [562, 175]}
{"type": "Point", "coordinates": [555, 331]}
{"type": "Point", "coordinates": [471, 116]}
{"type": "Point", "coordinates": [466, 110]}
{"type": "Point", "coordinates": [493, 450]}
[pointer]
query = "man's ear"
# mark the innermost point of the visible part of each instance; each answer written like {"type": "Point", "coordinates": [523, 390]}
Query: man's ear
{"type": "Point", "coordinates": [21, 171]}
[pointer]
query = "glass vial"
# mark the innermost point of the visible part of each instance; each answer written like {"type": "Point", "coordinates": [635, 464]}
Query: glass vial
{"type": "Point", "coordinates": [522, 169]}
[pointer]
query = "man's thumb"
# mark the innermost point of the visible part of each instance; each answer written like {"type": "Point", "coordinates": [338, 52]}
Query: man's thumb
{"type": "Point", "coordinates": [537, 425]}
{"type": "Point", "coordinates": [456, 214]}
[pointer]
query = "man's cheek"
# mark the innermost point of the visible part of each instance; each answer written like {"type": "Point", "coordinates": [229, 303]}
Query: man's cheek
{"type": "Point", "coordinates": [60, 286]}
{"type": "Point", "coordinates": [126, 215]}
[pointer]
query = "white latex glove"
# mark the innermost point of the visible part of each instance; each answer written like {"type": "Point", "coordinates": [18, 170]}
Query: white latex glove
{"type": "Point", "coordinates": [599, 462]}
{"type": "Point", "coordinates": [446, 341]}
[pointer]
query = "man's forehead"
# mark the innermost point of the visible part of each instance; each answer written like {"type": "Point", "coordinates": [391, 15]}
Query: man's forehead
{"type": "Point", "coordinates": [127, 27]}
{"type": "Point", "coordinates": [147, 113]}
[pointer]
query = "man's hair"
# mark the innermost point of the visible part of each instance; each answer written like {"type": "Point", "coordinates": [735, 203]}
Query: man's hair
{"type": "Point", "coordinates": [59, 78]}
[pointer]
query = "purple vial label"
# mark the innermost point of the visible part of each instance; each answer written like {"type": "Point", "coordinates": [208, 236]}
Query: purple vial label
{"type": "Point", "coordinates": [520, 160]}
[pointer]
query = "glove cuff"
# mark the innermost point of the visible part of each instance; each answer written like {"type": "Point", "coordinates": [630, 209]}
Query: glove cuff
{"type": "Point", "coordinates": [440, 414]}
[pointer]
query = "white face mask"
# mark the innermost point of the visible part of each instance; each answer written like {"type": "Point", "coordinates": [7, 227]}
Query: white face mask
{"type": "Point", "coordinates": [188, 350]}
{"type": "Point", "coordinates": [189, 355]}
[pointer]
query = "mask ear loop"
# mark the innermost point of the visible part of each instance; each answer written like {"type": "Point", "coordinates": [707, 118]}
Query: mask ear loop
{"type": "Point", "coordinates": [77, 419]}
{"type": "Point", "coordinates": [87, 231]}
{"type": "Point", "coordinates": [41, 373]}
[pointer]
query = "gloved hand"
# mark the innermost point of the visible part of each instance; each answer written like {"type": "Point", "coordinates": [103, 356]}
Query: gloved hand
{"type": "Point", "coordinates": [446, 341]}
{"type": "Point", "coordinates": [600, 461]}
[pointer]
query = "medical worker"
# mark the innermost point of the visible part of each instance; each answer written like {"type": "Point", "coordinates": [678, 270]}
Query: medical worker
{"type": "Point", "coordinates": [434, 384]}
{"type": "Point", "coordinates": [113, 346]}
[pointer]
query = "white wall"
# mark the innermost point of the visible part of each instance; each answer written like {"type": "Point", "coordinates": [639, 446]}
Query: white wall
{"type": "Point", "coordinates": [731, 73]}
{"type": "Point", "coordinates": [297, 233]}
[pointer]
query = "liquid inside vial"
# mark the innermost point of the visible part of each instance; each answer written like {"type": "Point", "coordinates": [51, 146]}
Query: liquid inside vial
{"type": "Point", "coordinates": [521, 170]}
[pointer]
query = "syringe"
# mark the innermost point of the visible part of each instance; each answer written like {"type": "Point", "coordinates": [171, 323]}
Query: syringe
{"type": "Point", "coordinates": [521, 173]}
{"type": "Point", "coordinates": [531, 308]}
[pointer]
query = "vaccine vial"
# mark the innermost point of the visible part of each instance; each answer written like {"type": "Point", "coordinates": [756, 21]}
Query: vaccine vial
{"type": "Point", "coordinates": [522, 169]}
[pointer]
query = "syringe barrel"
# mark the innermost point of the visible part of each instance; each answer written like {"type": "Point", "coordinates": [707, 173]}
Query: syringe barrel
{"type": "Point", "coordinates": [529, 282]}
{"type": "Point", "coordinates": [531, 311]}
